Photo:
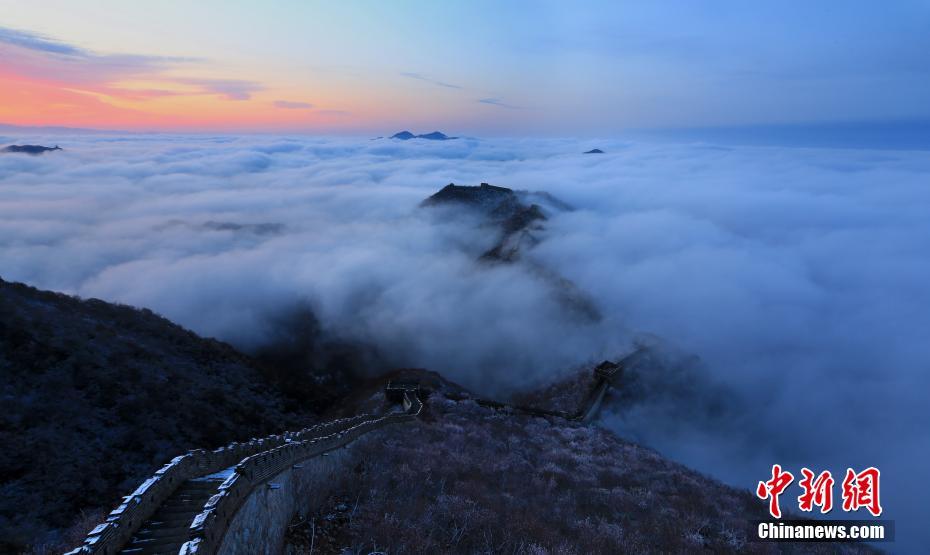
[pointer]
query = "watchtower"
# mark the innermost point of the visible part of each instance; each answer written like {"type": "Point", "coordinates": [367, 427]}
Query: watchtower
{"type": "Point", "coordinates": [609, 371]}
{"type": "Point", "coordinates": [403, 391]}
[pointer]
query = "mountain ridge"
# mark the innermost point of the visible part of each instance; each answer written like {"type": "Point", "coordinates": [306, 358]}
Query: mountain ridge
{"type": "Point", "coordinates": [432, 136]}
{"type": "Point", "coordinates": [31, 149]}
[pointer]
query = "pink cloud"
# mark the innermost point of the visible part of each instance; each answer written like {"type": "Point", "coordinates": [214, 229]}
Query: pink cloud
{"type": "Point", "coordinates": [34, 57]}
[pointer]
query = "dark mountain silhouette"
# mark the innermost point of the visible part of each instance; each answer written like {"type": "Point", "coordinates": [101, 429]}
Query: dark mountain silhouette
{"type": "Point", "coordinates": [502, 206]}
{"type": "Point", "coordinates": [517, 217]}
{"type": "Point", "coordinates": [485, 195]}
{"type": "Point", "coordinates": [31, 149]}
{"type": "Point", "coordinates": [97, 396]}
{"type": "Point", "coordinates": [595, 151]}
{"type": "Point", "coordinates": [434, 136]}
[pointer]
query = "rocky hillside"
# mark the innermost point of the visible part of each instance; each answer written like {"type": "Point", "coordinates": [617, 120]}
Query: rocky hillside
{"type": "Point", "coordinates": [471, 479]}
{"type": "Point", "coordinates": [98, 396]}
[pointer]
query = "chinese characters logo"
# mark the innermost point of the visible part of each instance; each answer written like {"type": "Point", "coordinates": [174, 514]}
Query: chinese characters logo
{"type": "Point", "coordinates": [860, 490]}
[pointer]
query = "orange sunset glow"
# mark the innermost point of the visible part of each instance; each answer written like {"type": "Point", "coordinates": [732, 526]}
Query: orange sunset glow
{"type": "Point", "coordinates": [34, 101]}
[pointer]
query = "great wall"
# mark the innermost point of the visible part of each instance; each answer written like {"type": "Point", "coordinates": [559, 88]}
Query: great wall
{"type": "Point", "coordinates": [241, 497]}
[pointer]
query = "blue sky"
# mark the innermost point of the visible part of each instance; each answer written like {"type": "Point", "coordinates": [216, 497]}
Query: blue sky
{"type": "Point", "coordinates": [535, 68]}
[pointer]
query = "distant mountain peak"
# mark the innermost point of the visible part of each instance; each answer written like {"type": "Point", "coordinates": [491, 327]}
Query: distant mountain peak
{"type": "Point", "coordinates": [519, 217]}
{"type": "Point", "coordinates": [31, 149]}
{"type": "Point", "coordinates": [434, 136]}
{"type": "Point", "coordinates": [595, 151]}
{"type": "Point", "coordinates": [483, 195]}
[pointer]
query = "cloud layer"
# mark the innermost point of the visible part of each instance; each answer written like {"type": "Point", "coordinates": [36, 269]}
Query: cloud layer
{"type": "Point", "coordinates": [798, 276]}
{"type": "Point", "coordinates": [292, 105]}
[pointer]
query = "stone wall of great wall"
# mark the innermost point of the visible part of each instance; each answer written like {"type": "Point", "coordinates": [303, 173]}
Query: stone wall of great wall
{"type": "Point", "coordinates": [269, 480]}
{"type": "Point", "coordinates": [254, 464]}
{"type": "Point", "coordinates": [261, 522]}
{"type": "Point", "coordinates": [258, 474]}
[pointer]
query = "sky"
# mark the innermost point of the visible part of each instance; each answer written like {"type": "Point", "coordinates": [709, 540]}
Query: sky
{"type": "Point", "coordinates": [481, 68]}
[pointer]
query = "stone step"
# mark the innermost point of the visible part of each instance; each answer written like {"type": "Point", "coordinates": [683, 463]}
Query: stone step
{"type": "Point", "coordinates": [148, 533]}
{"type": "Point", "coordinates": [184, 503]}
{"type": "Point", "coordinates": [160, 543]}
{"type": "Point", "coordinates": [152, 524]}
{"type": "Point", "coordinates": [198, 486]}
{"type": "Point", "coordinates": [192, 496]}
{"type": "Point", "coordinates": [148, 551]}
{"type": "Point", "coordinates": [161, 550]}
{"type": "Point", "coordinates": [189, 510]}
{"type": "Point", "coordinates": [184, 493]}
{"type": "Point", "coordinates": [168, 521]}
{"type": "Point", "coordinates": [192, 510]}
{"type": "Point", "coordinates": [166, 530]}
{"type": "Point", "coordinates": [201, 484]}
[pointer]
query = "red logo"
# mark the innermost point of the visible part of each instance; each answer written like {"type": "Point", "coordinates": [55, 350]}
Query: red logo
{"type": "Point", "coordinates": [773, 488]}
{"type": "Point", "coordinates": [817, 491]}
{"type": "Point", "coordinates": [859, 490]}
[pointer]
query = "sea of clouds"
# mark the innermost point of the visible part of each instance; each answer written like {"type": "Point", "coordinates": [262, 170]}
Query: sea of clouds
{"type": "Point", "coordinates": [797, 276]}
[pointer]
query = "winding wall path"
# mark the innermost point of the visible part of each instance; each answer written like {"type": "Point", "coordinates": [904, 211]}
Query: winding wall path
{"type": "Point", "coordinates": [154, 518]}
{"type": "Point", "coordinates": [191, 506]}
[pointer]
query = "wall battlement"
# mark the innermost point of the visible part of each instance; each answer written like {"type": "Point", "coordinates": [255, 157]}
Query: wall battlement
{"type": "Point", "coordinates": [255, 462]}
